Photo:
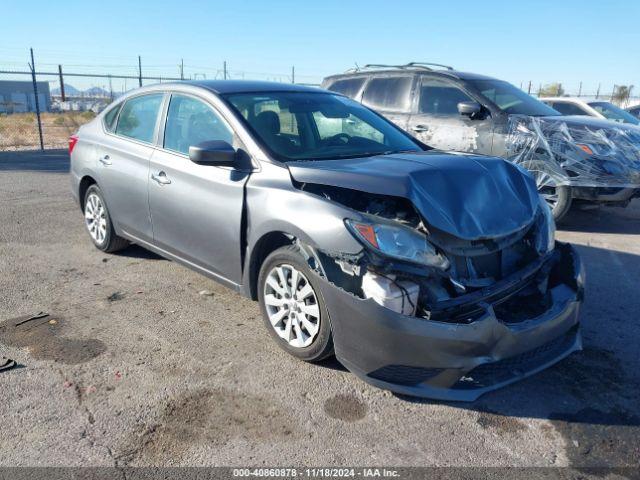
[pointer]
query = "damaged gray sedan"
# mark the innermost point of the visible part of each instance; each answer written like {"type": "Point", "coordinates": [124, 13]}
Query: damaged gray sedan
{"type": "Point", "coordinates": [426, 273]}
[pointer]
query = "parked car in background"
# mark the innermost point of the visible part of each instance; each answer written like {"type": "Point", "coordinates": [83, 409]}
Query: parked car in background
{"type": "Point", "coordinates": [571, 158]}
{"type": "Point", "coordinates": [635, 111]}
{"type": "Point", "coordinates": [427, 273]}
{"type": "Point", "coordinates": [591, 108]}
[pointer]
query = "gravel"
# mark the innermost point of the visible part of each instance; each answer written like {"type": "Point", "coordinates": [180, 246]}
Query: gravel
{"type": "Point", "coordinates": [140, 361]}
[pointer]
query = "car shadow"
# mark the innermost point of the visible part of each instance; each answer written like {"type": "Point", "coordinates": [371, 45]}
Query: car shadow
{"type": "Point", "coordinates": [52, 161]}
{"type": "Point", "coordinates": [604, 219]}
{"type": "Point", "coordinates": [136, 251]}
{"type": "Point", "coordinates": [591, 397]}
{"type": "Point", "coordinates": [332, 363]}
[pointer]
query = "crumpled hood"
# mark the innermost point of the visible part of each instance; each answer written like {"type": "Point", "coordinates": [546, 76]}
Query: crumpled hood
{"type": "Point", "coordinates": [469, 196]}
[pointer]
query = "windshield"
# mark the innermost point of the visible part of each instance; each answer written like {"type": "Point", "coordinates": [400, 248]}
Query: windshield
{"type": "Point", "coordinates": [317, 126]}
{"type": "Point", "coordinates": [611, 112]}
{"type": "Point", "coordinates": [511, 99]}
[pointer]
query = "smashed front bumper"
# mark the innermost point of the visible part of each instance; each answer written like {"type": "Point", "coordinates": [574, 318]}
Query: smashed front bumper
{"type": "Point", "coordinates": [454, 360]}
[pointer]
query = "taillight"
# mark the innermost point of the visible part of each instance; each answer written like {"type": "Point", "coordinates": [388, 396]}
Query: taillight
{"type": "Point", "coordinates": [73, 139]}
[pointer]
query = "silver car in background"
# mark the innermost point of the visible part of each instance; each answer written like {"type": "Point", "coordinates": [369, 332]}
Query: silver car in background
{"type": "Point", "coordinates": [426, 273]}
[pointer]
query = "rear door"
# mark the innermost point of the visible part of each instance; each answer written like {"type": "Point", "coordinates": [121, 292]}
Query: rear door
{"type": "Point", "coordinates": [437, 122]}
{"type": "Point", "coordinates": [196, 210]}
{"type": "Point", "coordinates": [123, 163]}
{"type": "Point", "coordinates": [390, 95]}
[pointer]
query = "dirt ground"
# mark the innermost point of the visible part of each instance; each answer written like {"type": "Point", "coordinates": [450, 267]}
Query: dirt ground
{"type": "Point", "coordinates": [19, 131]}
{"type": "Point", "coordinates": [134, 366]}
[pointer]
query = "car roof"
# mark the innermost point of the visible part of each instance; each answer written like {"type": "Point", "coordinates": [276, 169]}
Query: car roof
{"type": "Point", "coordinates": [246, 86]}
{"type": "Point", "coordinates": [413, 71]}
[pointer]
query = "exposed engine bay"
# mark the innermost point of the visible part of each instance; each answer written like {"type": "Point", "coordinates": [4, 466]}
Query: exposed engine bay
{"type": "Point", "coordinates": [500, 270]}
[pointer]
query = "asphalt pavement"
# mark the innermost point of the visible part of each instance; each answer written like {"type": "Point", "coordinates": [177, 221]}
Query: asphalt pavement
{"type": "Point", "coordinates": [128, 363]}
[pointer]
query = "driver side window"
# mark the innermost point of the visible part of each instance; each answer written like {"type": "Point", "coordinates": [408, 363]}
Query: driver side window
{"type": "Point", "coordinates": [438, 97]}
{"type": "Point", "coordinates": [191, 121]}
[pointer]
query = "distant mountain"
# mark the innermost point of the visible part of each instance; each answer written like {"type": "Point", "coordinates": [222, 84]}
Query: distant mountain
{"type": "Point", "coordinates": [96, 92]}
{"type": "Point", "coordinates": [71, 91]}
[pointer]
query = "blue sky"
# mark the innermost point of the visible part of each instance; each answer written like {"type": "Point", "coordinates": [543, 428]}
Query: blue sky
{"type": "Point", "coordinates": [542, 41]}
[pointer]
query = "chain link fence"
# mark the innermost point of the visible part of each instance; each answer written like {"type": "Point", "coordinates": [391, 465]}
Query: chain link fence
{"type": "Point", "coordinates": [42, 109]}
{"type": "Point", "coordinates": [44, 112]}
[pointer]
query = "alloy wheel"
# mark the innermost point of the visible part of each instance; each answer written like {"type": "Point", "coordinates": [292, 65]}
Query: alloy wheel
{"type": "Point", "coordinates": [95, 217]}
{"type": "Point", "coordinates": [292, 305]}
{"type": "Point", "coordinates": [547, 189]}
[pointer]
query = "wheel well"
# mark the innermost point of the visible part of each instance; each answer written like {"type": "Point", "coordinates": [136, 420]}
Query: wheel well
{"type": "Point", "coordinates": [85, 183]}
{"type": "Point", "coordinates": [267, 244]}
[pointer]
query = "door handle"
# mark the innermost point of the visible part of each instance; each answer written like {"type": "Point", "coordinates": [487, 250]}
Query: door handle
{"type": "Point", "coordinates": [105, 160]}
{"type": "Point", "coordinates": [160, 178]}
{"type": "Point", "coordinates": [419, 128]}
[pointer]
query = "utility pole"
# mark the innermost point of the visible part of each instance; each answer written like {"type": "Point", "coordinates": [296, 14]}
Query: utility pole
{"type": "Point", "coordinates": [139, 71]}
{"type": "Point", "coordinates": [598, 92]}
{"type": "Point", "coordinates": [580, 90]}
{"type": "Point", "coordinates": [293, 74]}
{"type": "Point", "coordinates": [224, 70]}
{"type": "Point", "coordinates": [32, 65]}
{"type": "Point", "coordinates": [529, 89]}
{"type": "Point", "coordinates": [181, 69]}
{"type": "Point", "coordinates": [64, 98]}
{"type": "Point", "coordinates": [110, 89]}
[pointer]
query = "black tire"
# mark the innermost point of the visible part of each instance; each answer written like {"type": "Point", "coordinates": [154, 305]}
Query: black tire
{"type": "Point", "coordinates": [322, 344]}
{"type": "Point", "coordinates": [562, 202]}
{"type": "Point", "coordinates": [111, 241]}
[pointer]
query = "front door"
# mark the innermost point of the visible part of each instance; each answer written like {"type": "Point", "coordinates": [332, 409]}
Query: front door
{"type": "Point", "coordinates": [196, 210]}
{"type": "Point", "coordinates": [438, 123]}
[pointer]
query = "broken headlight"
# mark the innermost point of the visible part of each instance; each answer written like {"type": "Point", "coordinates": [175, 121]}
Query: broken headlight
{"type": "Point", "coordinates": [546, 237]}
{"type": "Point", "coordinates": [398, 241]}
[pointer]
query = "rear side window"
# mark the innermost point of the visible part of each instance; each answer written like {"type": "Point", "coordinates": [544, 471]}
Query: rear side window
{"type": "Point", "coordinates": [438, 97]}
{"type": "Point", "coordinates": [138, 117]}
{"type": "Point", "coordinates": [110, 118]}
{"type": "Point", "coordinates": [349, 87]}
{"type": "Point", "coordinates": [191, 121]}
{"type": "Point", "coordinates": [568, 108]}
{"type": "Point", "coordinates": [389, 93]}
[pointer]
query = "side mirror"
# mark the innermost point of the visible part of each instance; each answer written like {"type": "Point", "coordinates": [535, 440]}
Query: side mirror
{"type": "Point", "coordinates": [469, 109]}
{"type": "Point", "coordinates": [216, 152]}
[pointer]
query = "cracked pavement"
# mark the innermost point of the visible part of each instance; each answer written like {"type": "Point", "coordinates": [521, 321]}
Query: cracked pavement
{"type": "Point", "coordinates": [135, 366]}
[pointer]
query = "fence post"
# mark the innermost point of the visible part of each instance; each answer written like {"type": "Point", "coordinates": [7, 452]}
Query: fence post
{"type": "Point", "coordinates": [64, 98]}
{"type": "Point", "coordinates": [32, 65]}
{"type": "Point", "coordinates": [139, 71]}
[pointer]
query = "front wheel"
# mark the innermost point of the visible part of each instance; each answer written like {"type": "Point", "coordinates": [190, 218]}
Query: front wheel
{"type": "Point", "coordinates": [558, 198]}
{"type": "Point", "coordinates": [292, 306]}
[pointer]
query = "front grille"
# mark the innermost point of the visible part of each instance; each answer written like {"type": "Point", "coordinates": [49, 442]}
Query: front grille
{"type": "Point", "coordinates": [404, 375]}
{"type": "Point", "coordinates": [489, 374]}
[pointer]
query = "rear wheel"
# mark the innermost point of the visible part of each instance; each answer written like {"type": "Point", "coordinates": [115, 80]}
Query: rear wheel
{"type": "Point", "coordinates": [98, 222]}
{"type": "Point", "coordinates": [292, 307]}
